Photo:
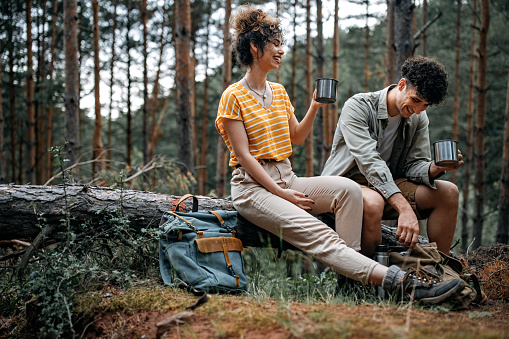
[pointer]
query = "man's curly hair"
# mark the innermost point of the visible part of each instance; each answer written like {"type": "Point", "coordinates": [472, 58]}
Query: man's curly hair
{"type": "Point", "coordinates": [253, 25]}
{"type": "Point", "coordinates": [428, 77]}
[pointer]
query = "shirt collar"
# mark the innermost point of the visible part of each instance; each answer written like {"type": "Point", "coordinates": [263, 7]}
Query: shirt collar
{"type": "Point", "coordinates": [382, 106]}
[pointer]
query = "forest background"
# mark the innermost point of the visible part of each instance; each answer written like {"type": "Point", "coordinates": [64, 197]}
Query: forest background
{"type": "Point", "coordinates": [136, 99]}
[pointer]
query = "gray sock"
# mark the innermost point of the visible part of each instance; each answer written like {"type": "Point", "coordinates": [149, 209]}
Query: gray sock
{"type": "Point", "coordinates": [391, 279]}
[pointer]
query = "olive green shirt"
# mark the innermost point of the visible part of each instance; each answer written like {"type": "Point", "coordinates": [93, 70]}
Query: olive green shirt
{"type": "Point", "coordinates": [360, 132]}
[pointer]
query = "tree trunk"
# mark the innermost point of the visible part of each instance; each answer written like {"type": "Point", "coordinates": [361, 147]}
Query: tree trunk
{"type": "Point", "coordinates": [155, 90]}
{"type": "Point", "coordinates": [480, 125]}
{"type": "Point", "coordinates": [183, 81]}
{"type": "Point", "coordinates": [98, 149]}
{"type": "Point", "coordinates": [12, 106]}
{"type": "Point", "coordinates": [146, 118]}
{"type": "Point", "coordinates": [455, 132]}
{"type": "Point", "coordinates": [94, 207]}
{"type": "Point", "coordinates": [2, 157]}
{"type": "Point", "coordinates": [335, 63]}
{"type": "Point", "coordinates": [470, 132]}
{"type": "Point", "coordinates": [503, 201]}
{"type": "Point", "coordinates": [49, 124]}
{"type": "Point", "coordinates": [390, 73]}
{"type": "Point", "coordinates": [366, 50]}
{"type": "Point", "coordinates": [71, 96]}
{"type": "Point", "coordinates": [202, 169]}
{"type": "Point", "coordinates": [321, 120]}
{"type": "Point", "coordinates": [424, 37]}
{"type": "Point", "coordinates": [278, 71]}
{"type": "Point", "coordinates": [129, 138]}
{"type": "Point", "coordinates": [227, 75]}
{"type": "Point", "coordinates": [112, 82]}
{"type": "Point", "coordinates": [40, 89]}
{"type": "Point", "coordinates": [30, 135]}
{"type": "Point", "coordinates": [308, 143]}
{"type": "Point", "coordinates": [403, 38]}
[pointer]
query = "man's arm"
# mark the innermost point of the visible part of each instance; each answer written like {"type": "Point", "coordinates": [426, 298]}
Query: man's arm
{"type": "Point", "coordinates": [359, 126]}
{"type": "Point", "coordinates": [408, 226]}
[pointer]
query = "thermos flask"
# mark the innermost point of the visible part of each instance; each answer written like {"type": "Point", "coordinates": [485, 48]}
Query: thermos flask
{"type": "Point", "coordinates": [382, 257]}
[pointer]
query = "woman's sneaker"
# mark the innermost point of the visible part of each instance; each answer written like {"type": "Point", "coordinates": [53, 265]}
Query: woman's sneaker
{"type": "Point", "coordinates": [426, 288]}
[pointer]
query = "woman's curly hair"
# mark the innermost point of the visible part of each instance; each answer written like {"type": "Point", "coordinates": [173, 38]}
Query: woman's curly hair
{"type": "Point", "coordinates": [252, 25]}
{"type": "Point", "coordinates": [428, 77]}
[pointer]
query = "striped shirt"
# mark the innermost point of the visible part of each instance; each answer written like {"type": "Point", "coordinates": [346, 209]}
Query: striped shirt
{"type": "Point", "coordinates": [267, 129]}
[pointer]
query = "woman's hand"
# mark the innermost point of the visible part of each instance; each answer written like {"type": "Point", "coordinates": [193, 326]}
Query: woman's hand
{"type": "Point", "coordinates": [297, 198]}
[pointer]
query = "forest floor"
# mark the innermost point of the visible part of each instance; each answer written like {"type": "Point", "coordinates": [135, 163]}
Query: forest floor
{"type": "Point", "coordinates": [141, 311]}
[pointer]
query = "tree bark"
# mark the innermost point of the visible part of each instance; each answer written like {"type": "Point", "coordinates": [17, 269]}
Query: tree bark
{"type": "Point", "coordinates": [456, 108]}
{"type": "Point", "coordinates": [308, 143]}
{"type": "Point", "coordinates": [129, 138]}
{"type": "Point", "coordinates": [403, 37]}
{"type": "Point", "coordinates": [12, 104]}
{"type": "Point", "coordinates": [202, 169]}
{"type": "Point", "coordinates": [227, 76]}
{"type": "Point", "coordinates": [2, 157]}
{"type": "Point", "coordinates": [321, 120]}
{"type": "Point", "coordinates": [96, 206]}
{"type": "Point", "coordinates": [183, 81]}
{"type": "Point", "coordinates": [71, 96]}
{"type": "Point", "coordinates": [503, 201]}
{"type": "Point", "coordinates": [366, 49]}
{"type": "Point", "coordinates": [334, 116]}
{"type": "Point", "coordinates": [390, 73]}
{"type": "Point", "coordinates": [30, 135]}
{"type": "Point", "coordinates": [424, 38]}
{"type": "Point", "coordinates": [49, 125]}
{"type": "Point", "coordinates": [155, 90]}
{"type": "Point", "coordinates": [98, 149]}
{"type": "Point", "coordinates": [480, 125]}
{"type": "Point", "coordinates": [146, 118]}
{"type": "Point", "coordinates": [112, 82]}
{"type": "Point", "coordinates": [470, 133]}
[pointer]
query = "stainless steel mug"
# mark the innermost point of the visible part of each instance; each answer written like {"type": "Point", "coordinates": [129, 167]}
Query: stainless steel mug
{"type": "Point", "coordinates": [446, 153]}
{"type": "Point", "coordinates": [326, 90]}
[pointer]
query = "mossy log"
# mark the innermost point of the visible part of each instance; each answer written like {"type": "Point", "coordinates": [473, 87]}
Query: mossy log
{"type": "Point", "coordinates": [26, 209]}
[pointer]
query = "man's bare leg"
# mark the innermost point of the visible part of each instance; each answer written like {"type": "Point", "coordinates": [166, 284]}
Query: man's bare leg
{"type": "Point", "coordinates": [443, 203]}
{"type": "Point", "coordinates": [371, 223]}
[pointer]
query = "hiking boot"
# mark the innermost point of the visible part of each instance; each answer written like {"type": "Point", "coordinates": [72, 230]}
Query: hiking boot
{"type": "Point", "coordinates": [427, 288]}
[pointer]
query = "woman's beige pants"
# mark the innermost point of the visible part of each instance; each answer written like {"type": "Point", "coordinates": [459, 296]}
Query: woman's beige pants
{"type": "Point", "coordinates": [335, 194]}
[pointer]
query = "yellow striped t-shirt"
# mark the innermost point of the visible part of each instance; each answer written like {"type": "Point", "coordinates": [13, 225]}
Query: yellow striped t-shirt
{"type": "Point", "coordinates": [267, 129]}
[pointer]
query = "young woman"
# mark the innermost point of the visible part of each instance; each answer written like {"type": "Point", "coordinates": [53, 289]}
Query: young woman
{"type": "Point", "coordinates": [258, 124]}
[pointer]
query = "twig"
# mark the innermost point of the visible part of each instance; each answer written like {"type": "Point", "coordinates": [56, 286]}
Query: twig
{"type": "Point", "coordinates": [76, 165]}
{"type": "Point", "coordinates": [469, 247]}
{"type": "Point", "coordinates": [46, 231]}
{"type": "Point", "coordinates": [425, 27]}
{"type": "Point", "coordinates": [67, 307]}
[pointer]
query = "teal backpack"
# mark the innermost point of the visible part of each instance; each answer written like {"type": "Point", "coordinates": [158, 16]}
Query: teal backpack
{"type": "Point", "coordinates": [199, 250]}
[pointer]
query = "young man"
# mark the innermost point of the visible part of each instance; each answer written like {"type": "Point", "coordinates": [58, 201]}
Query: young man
{"type": "Point", "coordinates": [382, 143]}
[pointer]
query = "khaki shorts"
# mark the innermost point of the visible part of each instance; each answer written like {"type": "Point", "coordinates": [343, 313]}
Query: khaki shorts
{"type": "Point", "coordinates": [407, 188]}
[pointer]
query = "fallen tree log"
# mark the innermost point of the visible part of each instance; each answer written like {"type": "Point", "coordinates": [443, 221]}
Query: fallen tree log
{"type": "Point", "coordinates": [26, 209]}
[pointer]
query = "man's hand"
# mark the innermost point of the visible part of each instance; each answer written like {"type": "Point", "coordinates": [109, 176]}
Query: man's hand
{"type": "Point", "coordinates": [408, 229]}
{"type": "Point", "coordinates": [408, 226]}
{"type": "Point", "coordinates": [435, 170]}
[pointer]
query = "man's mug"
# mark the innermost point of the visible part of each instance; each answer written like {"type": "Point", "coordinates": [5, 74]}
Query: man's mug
{"type": "Point", "coordinates": [326, 89]}
{"type": "Point", "coordinates": [446, 153]}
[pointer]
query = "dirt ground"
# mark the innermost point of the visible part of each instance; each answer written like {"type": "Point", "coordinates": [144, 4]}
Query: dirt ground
{"type": "Point", "coordinates": [242, 317]}
{"type": "Point", "coordinates": [161, 313]}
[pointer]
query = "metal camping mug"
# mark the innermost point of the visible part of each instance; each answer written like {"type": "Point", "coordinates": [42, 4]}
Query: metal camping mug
{"type": "Point", "coordinates": [326, 90]}
{"type": "Point", "coordinates": [446, 153]}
